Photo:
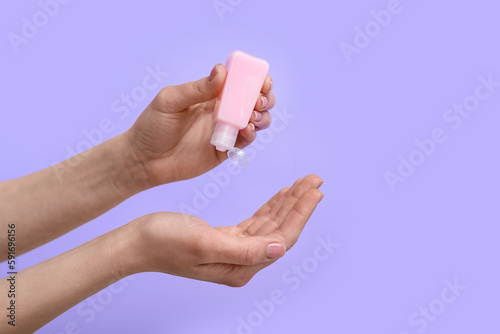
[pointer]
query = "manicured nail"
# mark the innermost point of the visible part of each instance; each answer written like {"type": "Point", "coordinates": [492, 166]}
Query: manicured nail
{"type": "Point", "coordinates": [252, 127]}
{"type": "Point", "coordinates": [257, 116]}
{"type": "Point", "coordinates": [275, 251]}
{"type": "Point", "coordinates": [271, 82]}
{"type": "Point", "coordinates": [214, 72]}
{"type": "Point", "coordinates": [264, 101]}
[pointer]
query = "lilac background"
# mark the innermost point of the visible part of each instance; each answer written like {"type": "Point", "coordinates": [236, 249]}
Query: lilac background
{"type": "Point", "coordinates": [351, 121]}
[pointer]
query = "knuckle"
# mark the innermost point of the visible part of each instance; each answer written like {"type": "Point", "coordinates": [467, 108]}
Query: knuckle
{"type": "Point", "coordinates": [249, 256]}
{"type": "Point", "coordinates": [266, 120]}
{"type": "Point", "coordinates": [271, 104]}
{"type": "Point", "coordinates": [164, 99]}
{"type": "Point", "coordinates": [197, 87]}
{"type": "Point", "coordinates": [268, 83]}
{"type": "Point", "coordinates": [284, 191]}
{"type": "Point", "coordinates": [271, 97]}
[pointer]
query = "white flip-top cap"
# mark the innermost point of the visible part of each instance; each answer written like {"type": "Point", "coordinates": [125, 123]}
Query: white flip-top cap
{"type": "Point", "coordinates": [224, 136]}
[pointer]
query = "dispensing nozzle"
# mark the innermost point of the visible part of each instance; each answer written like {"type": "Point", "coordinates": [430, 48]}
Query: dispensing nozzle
{"type": "Point", "coordinates": [224, 138]}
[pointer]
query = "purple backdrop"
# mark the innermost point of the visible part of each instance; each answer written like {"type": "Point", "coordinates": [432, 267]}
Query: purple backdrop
{"type": "Point", "coordinates": [395, 104]}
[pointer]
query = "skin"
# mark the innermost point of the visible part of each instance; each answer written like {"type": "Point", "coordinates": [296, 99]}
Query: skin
{"type": "Point", "coordinates": [170, 141]}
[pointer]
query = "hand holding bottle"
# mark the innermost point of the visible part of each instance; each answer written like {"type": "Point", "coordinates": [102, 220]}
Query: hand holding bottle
{"type": "Point", "coordinates": [171, 138]}
{"type": "Point", "coordinates": [170, 141]}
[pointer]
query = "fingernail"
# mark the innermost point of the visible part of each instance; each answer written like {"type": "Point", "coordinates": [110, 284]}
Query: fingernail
{"type": "Point", "coordinates": [275, 251]}
{"type": "Point", "coordinates": [264, 101]}
{"type": "Point", "coordinates": [252, 127]}
{"type": "Point", "coordinates": [271, 82]}
{"type": "Point", "coordinates": [257, 116]}
{"type": "Point", "coordinates": [214, 72]}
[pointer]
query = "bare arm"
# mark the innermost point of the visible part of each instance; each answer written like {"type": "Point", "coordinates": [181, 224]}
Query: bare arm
{"type": "Point", "coordinates": [46, 290]}
{"type": "Point", "coordinates": [49, 203]}
{"type": "Point", "coordinates": [167, 242]}
{"type": "Point", "coordinates": [170, 141]}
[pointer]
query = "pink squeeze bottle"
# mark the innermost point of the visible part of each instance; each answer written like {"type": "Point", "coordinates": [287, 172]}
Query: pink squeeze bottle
{"type": "Point", "coordinates": [235, 103]}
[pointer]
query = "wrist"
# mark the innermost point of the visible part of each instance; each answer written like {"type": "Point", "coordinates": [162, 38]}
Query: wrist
{"type": "Point", "coordinates": [129, 248]}
{"type": "Point", "coordinates": [146, 160]}
{"type": "Point", "coordinates": [132, 176]}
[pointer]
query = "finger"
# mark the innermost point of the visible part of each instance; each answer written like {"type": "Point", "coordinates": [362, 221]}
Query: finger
{"type": "Point", "coordinates": [278, 213]}
{"type": "Point", "coordinates": [180, 97]}
{"type": "Point", "coordinates": [275, 208]}
{"type": "Point", "coordinates": [246, 225]}
{"type": "Point", "coordinates": [297, 218]}
{"type": "Point", "coordinates": [231, 230]}
{"type": "Point", "coordinates": [267, 207]}
{"type": "Point", "coordinates": [261, 119]}
{"type": "Point", "coordinates": [268, 85]}
{"type": "Point", "coordinates": [309, 182]}
{"type": "Point", "coordinates": [245, 251]}
{"type": "Point", "coordinates": [265, 223]}
{"type": "Point", "coordinates": [265, 102]}
{"type": "Point", "coordinates": [246, 136]}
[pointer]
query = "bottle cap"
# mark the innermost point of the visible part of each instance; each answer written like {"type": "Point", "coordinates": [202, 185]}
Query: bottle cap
{"type": "Point", "coordinates": [238, 157]}
{"type": "Point", "coordinates": [224, 136]}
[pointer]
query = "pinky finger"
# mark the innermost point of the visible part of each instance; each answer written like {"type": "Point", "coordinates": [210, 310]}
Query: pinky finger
{"type": "Point", "coordinates": [246, 136]}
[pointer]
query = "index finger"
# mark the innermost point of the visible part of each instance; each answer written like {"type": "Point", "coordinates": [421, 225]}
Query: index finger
{"type": "Point", "coordinates": [268, 85]}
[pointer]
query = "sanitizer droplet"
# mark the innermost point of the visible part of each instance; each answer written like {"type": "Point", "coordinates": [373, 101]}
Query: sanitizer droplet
{"type": "Point", "coordinates": [238, 157]}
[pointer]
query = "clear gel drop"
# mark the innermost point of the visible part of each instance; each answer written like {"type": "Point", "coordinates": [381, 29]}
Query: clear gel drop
{"type": "Point", "coordinates": [238, 157]}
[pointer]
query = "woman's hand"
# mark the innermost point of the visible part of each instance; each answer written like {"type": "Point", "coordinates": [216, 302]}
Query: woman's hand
{"type": "Point", "coordinates": [172, 136]}
{"type": "Point", "coordinates": [187, 246]}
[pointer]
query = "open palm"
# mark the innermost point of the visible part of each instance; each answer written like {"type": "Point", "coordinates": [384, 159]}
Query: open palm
{"type": "Point", "coordinates": [187, 246]}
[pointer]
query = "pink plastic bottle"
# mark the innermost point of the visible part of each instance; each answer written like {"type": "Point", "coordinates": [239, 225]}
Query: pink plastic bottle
{"type": "Point", "coordinates": [234, 106]}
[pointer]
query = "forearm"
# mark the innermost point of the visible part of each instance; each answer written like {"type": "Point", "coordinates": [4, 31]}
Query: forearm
{"type": "Point", "coordinates": [49, 203]}
{"type": "Point", "coordinates": [48, 289]}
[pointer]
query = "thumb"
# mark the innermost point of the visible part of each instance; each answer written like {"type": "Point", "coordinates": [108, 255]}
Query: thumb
{"type": "Point", "coordinates": [246, 251]}
{"type": "Point", "coordinates": [180, 97]}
